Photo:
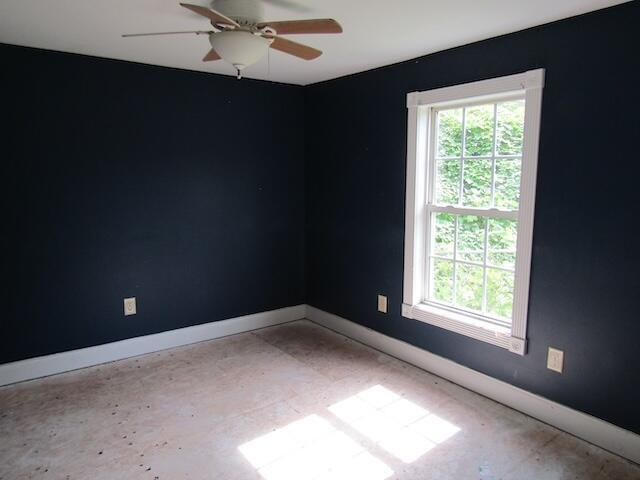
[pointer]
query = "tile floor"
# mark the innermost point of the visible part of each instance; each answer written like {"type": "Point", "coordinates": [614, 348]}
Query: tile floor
{"type": "Point", "coordinates": [295, 401]}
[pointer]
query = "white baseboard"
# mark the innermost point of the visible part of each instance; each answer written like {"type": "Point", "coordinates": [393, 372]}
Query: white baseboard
{"type": "Point", "coordinates": [589, 428]}
{"type": "Point", "coordinates": [582, 425]}
{"type": "Point", "coordinates": [85, 357]}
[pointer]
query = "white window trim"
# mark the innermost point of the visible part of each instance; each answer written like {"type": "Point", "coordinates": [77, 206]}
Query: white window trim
{"type": "Point", "coordinates": [419, 105]}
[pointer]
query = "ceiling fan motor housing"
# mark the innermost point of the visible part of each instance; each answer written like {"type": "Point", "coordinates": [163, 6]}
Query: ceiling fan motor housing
{"type": "Point", "coordinates": [243, 11]}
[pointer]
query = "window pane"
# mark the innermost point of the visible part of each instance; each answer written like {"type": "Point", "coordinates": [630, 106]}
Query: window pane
{"type": "Point", "coordinates": [499, 292]}
{"type": "Point", "coordinates": [507, 183]}
{"type": "Point", "coordinates": [478, 166]}
{"type": "Point", "coordinates": [448, 182]}
{"type": "Point", "coordinates": [469, 280]}
{"type": "Point", "coordinates": [510, 127]}
{"type": "Point", "coordinates": [502, 242]}
{"type": "Point", "coordinates": [442, 280]}
{"type": "Point", "coordinates": [445, 224]}
{"type": "Point", "coordinates": [479, 131]}
{"type": "Point", "coordinates": [450, 133]}
{"type": "Point", "coordinates": [477, 183]}
{"type": "Point", "coordinates": [470, 238]}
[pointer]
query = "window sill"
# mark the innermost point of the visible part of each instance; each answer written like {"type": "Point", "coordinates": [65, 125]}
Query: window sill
{"type": "Point", "coordinates": [462, 324]}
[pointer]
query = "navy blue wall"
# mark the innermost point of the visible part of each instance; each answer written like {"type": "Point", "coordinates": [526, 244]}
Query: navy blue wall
{"type": "Point", "coordinates": [188, 191]}
{"type": "Point", "coordinates": [586, 258]}
{"type": "Point", "coordinates": [180, 188]}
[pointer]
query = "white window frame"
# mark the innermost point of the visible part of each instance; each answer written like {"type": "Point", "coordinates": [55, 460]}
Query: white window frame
{"type": "Point", "coordinates": [420, 105]}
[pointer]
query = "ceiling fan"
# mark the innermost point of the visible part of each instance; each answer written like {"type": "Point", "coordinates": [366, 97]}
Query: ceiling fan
{"type": "Point", "coordinates": [241, 40]}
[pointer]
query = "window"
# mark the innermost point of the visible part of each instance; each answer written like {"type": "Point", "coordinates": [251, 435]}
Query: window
{"type": "Point", "coordinates": [471, 170]}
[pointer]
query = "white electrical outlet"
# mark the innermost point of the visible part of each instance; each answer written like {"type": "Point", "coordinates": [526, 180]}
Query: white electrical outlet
{"type": "Point", "coordinates": [130, 306]}
{"type": "Point", "coordinates": [382, 303]}
{"type": "Point", "coordinates": [555, 360]}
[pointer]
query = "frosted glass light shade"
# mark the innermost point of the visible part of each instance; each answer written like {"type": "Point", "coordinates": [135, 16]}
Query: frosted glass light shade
{"type": "Point", "coordinates": [239, 48]}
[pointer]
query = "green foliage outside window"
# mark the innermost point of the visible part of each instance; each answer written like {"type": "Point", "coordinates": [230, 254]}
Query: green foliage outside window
{"type": "Point", "coordinates": [486, 176]}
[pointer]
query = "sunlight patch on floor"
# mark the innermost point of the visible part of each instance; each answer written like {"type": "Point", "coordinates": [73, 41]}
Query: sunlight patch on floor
{"type": "Point", "coordinates": [402, 428]}
{"type": "Point", "coordinates": [312, 448]}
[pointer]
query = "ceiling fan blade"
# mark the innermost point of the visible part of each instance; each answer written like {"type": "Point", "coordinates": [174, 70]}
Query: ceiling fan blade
{"type": "Point", "coordinates": [293, 48]}
{"type": "Point", "coordinates": [216, 17]}
{"type": "Point", "coordinates": [211, 56]}
{"type": "Point", "coordinates": [197, 32]}
{"type": "Point", "coordinates": [316, 25]}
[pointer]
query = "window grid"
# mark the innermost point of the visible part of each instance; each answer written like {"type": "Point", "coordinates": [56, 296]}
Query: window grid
{"type": "Point", "coordinates": [485, 265]}
{"type": "Point", "coordinates": [460, 209]}
{"type": "Point", "coordinates": [481, 157]}
{"type": "Point", "coordinates": [474, 264]}
{"type": "Point", "coordinates": [493, 196]}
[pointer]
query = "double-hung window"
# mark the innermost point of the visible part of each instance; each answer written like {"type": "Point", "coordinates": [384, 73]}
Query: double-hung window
{"type": "Point", "coordinates": [471, 172]}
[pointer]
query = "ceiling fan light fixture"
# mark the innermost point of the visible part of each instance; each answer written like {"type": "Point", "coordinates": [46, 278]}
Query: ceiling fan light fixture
{"type": "Point", "coordinates": [239, 48]}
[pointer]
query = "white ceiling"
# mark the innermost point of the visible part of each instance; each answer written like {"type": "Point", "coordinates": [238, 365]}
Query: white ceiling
{"type": "Point", "coordinates": [376, 32]}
